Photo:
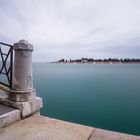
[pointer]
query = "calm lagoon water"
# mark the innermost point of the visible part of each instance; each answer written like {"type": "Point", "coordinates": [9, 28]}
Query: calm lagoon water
{"type": "Point", "coordinates": [104, 96]}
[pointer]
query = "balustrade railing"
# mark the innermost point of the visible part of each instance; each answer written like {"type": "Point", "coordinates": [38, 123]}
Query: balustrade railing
{"type": "Point", "coordinates": [6, 64]}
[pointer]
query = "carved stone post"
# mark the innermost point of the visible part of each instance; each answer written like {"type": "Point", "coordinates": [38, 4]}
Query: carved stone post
{"type": "Point", "coordinates": [23, 95]}
{"type": "Point", "coordinates": [22, 87]}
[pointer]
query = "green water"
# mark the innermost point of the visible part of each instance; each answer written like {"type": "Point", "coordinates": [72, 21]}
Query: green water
{"type": "Point", "coordinates": [104, 96]}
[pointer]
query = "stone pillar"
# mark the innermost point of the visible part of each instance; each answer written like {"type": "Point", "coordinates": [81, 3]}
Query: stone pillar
{"type": "Point", "coordinates": [23, 66]}
{"type": "Point", "coordinates": [22, 87]}
{"type": "Point", "coordinates": [22, 95]}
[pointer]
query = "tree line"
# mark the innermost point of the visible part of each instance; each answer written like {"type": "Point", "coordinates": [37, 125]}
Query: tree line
{"type": "Point", "coordinates": [92, 60]}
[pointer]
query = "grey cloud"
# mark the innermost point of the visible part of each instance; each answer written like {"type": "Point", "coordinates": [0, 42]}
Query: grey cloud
{"type": "Point", "coordinates": [69, 29]}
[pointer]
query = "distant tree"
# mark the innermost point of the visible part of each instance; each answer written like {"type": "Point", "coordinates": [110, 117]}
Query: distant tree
{"type": "Point", "coordinates": [62, 60]}
{"type": "Point", "coordinates": [90, 60]}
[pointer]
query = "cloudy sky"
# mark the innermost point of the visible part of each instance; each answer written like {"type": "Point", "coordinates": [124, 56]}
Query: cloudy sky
{"type": "Point", "coordinates": [73, 28]}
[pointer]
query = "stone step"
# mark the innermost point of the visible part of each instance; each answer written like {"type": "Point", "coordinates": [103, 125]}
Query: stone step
{"type": "Point", "coordinates": [8, 115]}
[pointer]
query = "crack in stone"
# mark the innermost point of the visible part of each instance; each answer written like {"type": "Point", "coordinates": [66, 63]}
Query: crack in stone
{"type": "Point", "coordinates": [91, 134]}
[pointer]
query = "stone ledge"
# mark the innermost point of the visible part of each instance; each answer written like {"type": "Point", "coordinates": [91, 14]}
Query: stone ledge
{"type": "Point", "coordinates": [10, 117]}
{"type": "Point", "coordinates": [27, 108]}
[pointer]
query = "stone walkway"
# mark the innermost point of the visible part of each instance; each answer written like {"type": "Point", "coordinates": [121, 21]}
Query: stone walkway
{"type": "Point", "coordinates": [39, 127]}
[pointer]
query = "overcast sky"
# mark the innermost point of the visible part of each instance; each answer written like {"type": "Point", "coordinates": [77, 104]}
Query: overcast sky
{"type": "Point", "coordinates": [73, 28]}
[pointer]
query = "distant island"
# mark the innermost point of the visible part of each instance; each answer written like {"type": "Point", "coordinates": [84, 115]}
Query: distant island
{"type": "Point", "coordinates": [99, 61]}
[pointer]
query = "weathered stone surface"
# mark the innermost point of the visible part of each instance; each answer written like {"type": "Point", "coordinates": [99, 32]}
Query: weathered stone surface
{"type": "Point", "coordinates": [22, 77]}
{"type": "Point", "coordinates": [27, 108]}
{"type": "Point", "coordinates": [23, 45]}
{"type": "Point", "coordinates": [39, 127]}
{"type": "Point", "coordinates": [3, 95]}
{"type": "Point", "coordinates": [100, 134]}
{"type": "Point", "coordinates": [5, 109]}
{"type": "Point", "coordinates": [43, 128]}
{"type": "Point", "coordinates": [31, 107]}
{"type": "Point", "coordinates": [22, 96]}
{"type": "Point", "coordinates": [8, 115]}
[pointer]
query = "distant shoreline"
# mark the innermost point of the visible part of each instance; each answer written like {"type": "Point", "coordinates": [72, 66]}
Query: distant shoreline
{"type": "Point", "coordinates": [96, 62]}
{"type": "Point", "coordinates": [99, 61]}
